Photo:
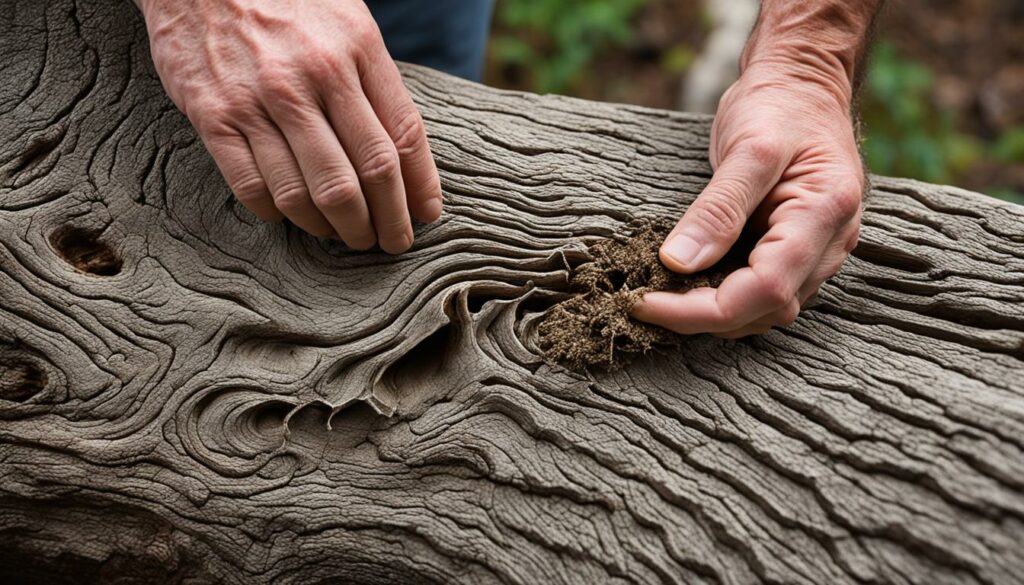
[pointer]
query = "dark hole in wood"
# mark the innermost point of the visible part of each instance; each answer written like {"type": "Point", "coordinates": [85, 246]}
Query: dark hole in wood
{"type": "Point", "coordinates": [622, 341]}
{"type": "Point", "coordinates": [28, 566]}
{"type": "Point", "coordinates": [408, 377]}
{"type": "Point", "coordinates": [536, 304]}
{"type": "Point", "coordinates": [357, 416]}
{"type": "Point", "coordinates": [268, 419]}
{"type": "Point", "coordinates": [475, 302]}
{"type": "Point", "coordinates": [891, 258]}
{"type": "Point", "coordinates": [82, 249]}
{"type": "Point", "coordinates": [424, 359]}
{"type": "Point", "coordinates": [617, 279]}
{"type": "Point", "coordinates": [308, 430]}
{"type": "Point", "coordinates": [479, 296]}
{"type": "Point", "coordinates": [89, 551]}
{"type": "Point", "coordinates": [20, 380]}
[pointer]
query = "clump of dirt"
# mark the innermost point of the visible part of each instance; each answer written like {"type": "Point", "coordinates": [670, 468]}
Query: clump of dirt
{"type": "Point", "coordinates": [593, 329]}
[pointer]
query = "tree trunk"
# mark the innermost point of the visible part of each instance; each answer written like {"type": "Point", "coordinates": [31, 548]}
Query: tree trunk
{"type": "Point", "coordinates": [188, 394]}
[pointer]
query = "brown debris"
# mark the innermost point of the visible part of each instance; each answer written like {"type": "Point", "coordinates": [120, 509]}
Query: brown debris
{"type": "Point", "coordinates": [594, 329]}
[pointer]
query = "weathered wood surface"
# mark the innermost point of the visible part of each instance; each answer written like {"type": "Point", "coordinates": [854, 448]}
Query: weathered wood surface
{"type": "Point", "coordinates": [225, 400]}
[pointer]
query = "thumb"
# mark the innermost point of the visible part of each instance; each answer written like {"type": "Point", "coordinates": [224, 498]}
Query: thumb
{"type": "Point", "coordinates": [716, 218]}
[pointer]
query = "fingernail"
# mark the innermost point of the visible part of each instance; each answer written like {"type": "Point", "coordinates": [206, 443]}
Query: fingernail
{"type": "Point", "coordinates": [683, 249]}
{"type": "Point", "coordinates": [638, 310]}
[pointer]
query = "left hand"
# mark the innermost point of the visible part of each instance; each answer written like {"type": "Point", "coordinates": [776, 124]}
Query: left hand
{"type": "Point", "coordinates": [304, 112]}
{"type": "Point", "coordinates": [785, 156]}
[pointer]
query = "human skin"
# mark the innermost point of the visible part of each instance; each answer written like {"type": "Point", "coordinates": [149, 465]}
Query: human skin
{"type": "Point", "coordinates": [307, 118]}
{"type": "Point", "coordinates": [785, 160]}
{"type": "Point", "coordinates": [304, 112]}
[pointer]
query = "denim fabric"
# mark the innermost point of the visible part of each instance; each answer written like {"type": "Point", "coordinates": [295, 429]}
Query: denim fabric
{"type": "Point", "coordinates": [450, 35]}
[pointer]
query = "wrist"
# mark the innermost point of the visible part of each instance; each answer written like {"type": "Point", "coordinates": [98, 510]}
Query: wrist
{"type": "Point", "coordinates": [821, 42]}
{"type": "Point", "coordinates": [800, 69]}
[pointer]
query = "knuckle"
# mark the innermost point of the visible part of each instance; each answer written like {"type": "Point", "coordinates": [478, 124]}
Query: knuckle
{"type": "Point", "coordinates": [275, 84]}
{"type": "Point", "coordinates": [729, 314]}
{"type": "Point", "coordinates": [336, 193]}
{"type": "Point", "coordinates": [724, 210]}
{"type": "Point", "coordinates": [852, 241]}
{"type": "Point", "coordinates": [409, 131]}
{"type": "Point", "coordinates": [364, 34]}
{"type": "Point", "coordinates": [249, 188]}
{"type": "Point", "coordinates": [381, 165]}
{"type": "Point", "coordinates": [789, 314]}
{"type": "Point", "coordinates": [776, 291]}
{"type": "Point", "coordinates": [235, 109]}
{"type": "Point", "coordinates": [325, 64]}
{"type": "Point", "coordinates": [765, 150]}
{"type": "Point", "coordinates": [218, 114]}
{"type": "Point", "coordinates": [212, 119]}
{"type": "Point", "coordinates": [291, 196]}
{"type": "Point", "coordinates": [846, 199]}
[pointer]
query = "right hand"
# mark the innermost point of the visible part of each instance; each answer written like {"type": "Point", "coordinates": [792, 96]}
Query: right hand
{"type": "Point", "coordinates": [785, 156]}
{"type": "Point", "coordinates": [304, 112]}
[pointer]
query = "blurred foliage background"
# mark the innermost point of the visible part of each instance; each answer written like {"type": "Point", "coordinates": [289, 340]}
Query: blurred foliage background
{"type": "Point", "coordinates": [942, 99]}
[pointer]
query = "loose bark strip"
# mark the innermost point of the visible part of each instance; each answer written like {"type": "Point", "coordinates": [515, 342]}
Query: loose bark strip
{"type": "Point", "coordinates": [190, 395]}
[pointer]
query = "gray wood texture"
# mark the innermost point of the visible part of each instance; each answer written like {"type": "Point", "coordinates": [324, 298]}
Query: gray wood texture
{"type": "Point", "coordinates": [188, 395]}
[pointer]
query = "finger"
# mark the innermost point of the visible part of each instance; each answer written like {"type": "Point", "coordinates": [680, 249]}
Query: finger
{"type": "Point", "coordinates": [402, 121]}
{"type": "Point", "coordinates": [333, 184]}
{"type": "Point", "coordinates": [832, 261]}
{"type": "Point", "coordinates": [235, 160]}
{"type": "Point", "coordinates": [779, 265]}
{"type": "Point", "coordinates": [783, 317]}
{"type": "Point", "coordinates": [753, 329]}
{"type": "Point", "coordinates": [829, 266]}
{"type": "Point", "coordinates": [282, 173]}
{"type": "Point", "coordinates": [714, 221]}
{"type": "Point", "coordinates": [376, 163]}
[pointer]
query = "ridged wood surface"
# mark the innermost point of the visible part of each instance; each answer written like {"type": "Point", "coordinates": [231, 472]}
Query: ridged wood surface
{"type": "Point", "coordinates": [189, 395]}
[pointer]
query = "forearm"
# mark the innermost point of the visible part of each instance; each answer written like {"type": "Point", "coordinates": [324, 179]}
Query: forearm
{"type": "Point", "coordinates": [819, 41]}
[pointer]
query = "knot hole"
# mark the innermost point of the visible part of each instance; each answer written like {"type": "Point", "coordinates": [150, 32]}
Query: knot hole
{"type": "Point", "coordinates": [83, 249]}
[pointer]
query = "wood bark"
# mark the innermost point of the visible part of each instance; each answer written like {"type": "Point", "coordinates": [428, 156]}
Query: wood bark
{"type": "Point", "coordinates": [189, 395]}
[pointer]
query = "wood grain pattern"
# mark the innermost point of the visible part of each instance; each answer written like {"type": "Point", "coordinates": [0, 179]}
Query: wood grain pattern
{"type": "Point", "coordinates": [188, 395]}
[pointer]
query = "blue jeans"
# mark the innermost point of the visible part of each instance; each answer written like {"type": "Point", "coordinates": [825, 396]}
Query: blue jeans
{"type": "Point", "coordinates": [450, 35]}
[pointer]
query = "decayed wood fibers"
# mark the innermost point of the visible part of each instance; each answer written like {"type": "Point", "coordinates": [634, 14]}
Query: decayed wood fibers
{"type": "Point", "coordinates": [226, 400]}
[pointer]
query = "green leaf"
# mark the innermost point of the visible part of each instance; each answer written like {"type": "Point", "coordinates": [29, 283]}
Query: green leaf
{"type": "Point", "coordinates": [511, 50]}
{"type": "Point", "coordinates": [1010, 146]}
{"type": "Point", "coordinates": [678, 59]}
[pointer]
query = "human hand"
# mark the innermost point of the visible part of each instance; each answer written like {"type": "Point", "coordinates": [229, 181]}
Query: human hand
{"type": "Point", "coordinates": [785, 156]}
{"type": "Point", "coordinates": [303, 111]}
